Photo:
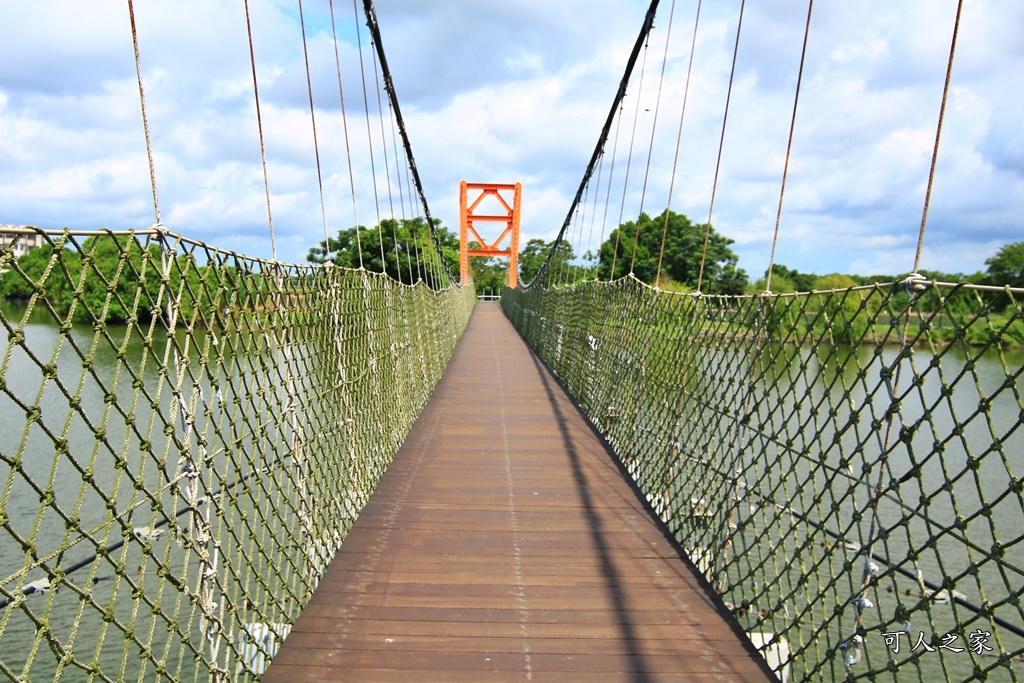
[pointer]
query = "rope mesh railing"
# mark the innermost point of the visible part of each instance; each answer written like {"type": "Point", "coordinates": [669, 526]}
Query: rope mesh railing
{"type": "Point", "coordinates": [844, 467]}
{"type": "Point", "coordinates": [187, 435]}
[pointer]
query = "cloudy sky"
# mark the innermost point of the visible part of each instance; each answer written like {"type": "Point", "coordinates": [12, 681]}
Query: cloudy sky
{"type": "Point", "coordinates": [517, 91]}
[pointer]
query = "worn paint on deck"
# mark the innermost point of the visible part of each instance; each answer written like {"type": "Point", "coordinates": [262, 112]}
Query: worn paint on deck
{"type": "Point", "coordinates": [504, 543]}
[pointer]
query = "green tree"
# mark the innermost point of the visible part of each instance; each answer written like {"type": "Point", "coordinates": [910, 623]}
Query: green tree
{"type": "Point", "coordinates": [113, 266]}
{"type": "Point", "coordinates": [1007, 266]}
{"type": "Point", "coordinates": [409, 252]}
{"type": "Point", "coordinates": [842, 314]}
{"type": "Point", "coordinates": [531, 258]}
{"type": "Point", "coordinates": [489, 274]}
{"type": "Point", "coordinates": [790, 280]}
{"type": "Point", "coordinates": [684, 245]}
{"type": "Point", "coordinates": [535, 253]}
{"type": "Point", "coordinates": [104, 278]}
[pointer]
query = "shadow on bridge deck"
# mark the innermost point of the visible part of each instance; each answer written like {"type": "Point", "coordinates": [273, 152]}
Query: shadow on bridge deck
{"type": "Point", "coordinates": [504, 543]}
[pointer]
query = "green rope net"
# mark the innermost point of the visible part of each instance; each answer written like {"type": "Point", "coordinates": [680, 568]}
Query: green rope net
{"type": "Point", "coordinates": [844, 467]}
{"type": "Point", "coordinates": [186, 436]}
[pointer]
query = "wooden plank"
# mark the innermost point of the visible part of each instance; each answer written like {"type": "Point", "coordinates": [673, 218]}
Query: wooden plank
{"type": "Point", "coordinates": [504, 543]}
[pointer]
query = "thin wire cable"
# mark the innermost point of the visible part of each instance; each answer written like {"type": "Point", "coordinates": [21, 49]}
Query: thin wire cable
{"type": "Point", "coordinates": [577, 232]}
{"type": "Point", "coordinates": [580, 218]}
{"type": "Point", "coordinates": [263, 147]}
{"type": "Point", "coordinates": [312, 118]}
{"type": "Point", "coordinates": [401, 191]}
{"type": "Point", "coordinates": [789, 149]}
{"type": "Point", "coordinates": [344, 123]}
{"type": "Point", "coordinates": [603, 137]}
{"type": "Point", "coordinates": [629, 156]}
{"type": "Point", "coordinates": [654, 129]}
{"type": "Point", "coordinates": [389, 85]}
{"type": "Point", "coordinates": [679, 138]}
{"type": "Point", "coordinates": [593, 215]}
{"type": "Point", "coordinates": [145, 117]}
{"type": "Point", "coordinates": [938, 136]}
{"type": "Point", "coordinates": [416, 215]}
{"type": "Point", "coordinates": [608, 196]}
{"type": "Point", "coordinates": [369, 134]}
{"type": "Point", "coordinates": [387, 168]}
{"type": "Point", "coordinates": [721, 144]}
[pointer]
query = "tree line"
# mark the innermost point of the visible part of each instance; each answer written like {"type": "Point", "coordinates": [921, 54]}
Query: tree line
{"type": "Point", "coordinates": [115, 278]}
{"type": "Point", "coordinates": [104, 273]}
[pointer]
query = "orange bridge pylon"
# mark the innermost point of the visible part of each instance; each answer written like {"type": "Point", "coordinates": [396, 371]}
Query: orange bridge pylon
{"type": "Point", "coordinates": [510, 219]}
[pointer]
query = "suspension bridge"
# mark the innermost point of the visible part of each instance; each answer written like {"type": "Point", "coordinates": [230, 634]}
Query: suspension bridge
{"type": "Point", "coordinates": [221, 467]}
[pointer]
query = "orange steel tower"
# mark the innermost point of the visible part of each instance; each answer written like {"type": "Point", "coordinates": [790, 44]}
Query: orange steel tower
{"type": "Point", "coordinates": [510, 219]}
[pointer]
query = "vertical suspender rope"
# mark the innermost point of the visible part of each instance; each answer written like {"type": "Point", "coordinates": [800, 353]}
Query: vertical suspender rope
{"type": "Point", "coordinates": [608, 195]}
{"type": "Point", "coordinates": [938, 135]}
{"type": "Point", "coordinates": [369, 135]}
{"type": "Point", "coordinates": [263, 148]}
{"type": "Point", "coordinates": [371, 22]}
{"type": "Point", "coordinates": [654, 128]}
{"type": "Point", "coordinates": [679, 138]}
{"type": "Point", "coordinates": [721, 144]}
{"type": "Point", "coordinates": [210, 624]}
{"type": "Point", "coordinates": [629, 156]}
{"type": "Point", "coordinates": [789, 150]}
{"type": "Point", "coordinates": [593, 214]}
{"type": "Point", "coordinates": [145, 117]}
{"type": "Point", "coordinates": [603, 137]}
{"type": "Point", "coordinates": [348, 148]}
{"type": "Point", "coordinates": [312, 118]}
{"type": "Point", "coordinates": [387, 175]}
{"type": "Point", "coordinates": [401, 193]}
{"type": "Point", "coordinates": [914, 287]}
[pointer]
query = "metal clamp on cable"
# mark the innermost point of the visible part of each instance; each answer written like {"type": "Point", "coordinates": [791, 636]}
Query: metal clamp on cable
{"type": "Point", "coordinates": [916, 284]}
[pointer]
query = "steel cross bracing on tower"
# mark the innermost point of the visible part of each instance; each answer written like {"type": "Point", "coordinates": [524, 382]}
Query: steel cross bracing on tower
{"type": "Point", "coordinates": [510, 218]}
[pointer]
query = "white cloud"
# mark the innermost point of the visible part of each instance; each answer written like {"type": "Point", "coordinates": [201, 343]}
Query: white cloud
{"type": "Point", "coordinates": [518, 91]}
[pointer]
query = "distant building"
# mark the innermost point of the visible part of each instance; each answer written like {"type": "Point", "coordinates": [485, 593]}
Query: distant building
{"type": "Point", "coordinates": [20, 242]}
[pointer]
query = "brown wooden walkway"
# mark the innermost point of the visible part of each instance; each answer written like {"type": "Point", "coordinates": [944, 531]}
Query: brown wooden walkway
{"type": "Point", "coordinates": [504, 544]}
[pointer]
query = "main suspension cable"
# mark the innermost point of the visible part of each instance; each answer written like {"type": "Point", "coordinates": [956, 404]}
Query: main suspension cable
{"type": "Point", "coordinates": [371, 22]}
{"type": "Point", "coordinates": [603, 137]}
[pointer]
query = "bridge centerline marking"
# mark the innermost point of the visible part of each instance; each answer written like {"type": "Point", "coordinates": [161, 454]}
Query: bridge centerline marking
{"type": "Point", "coordinates": [494, 529]}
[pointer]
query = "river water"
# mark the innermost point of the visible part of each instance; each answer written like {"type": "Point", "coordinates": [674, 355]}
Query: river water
{"type": "Point", "coordinates": [113, 510]}
{"type": "Point", "coordinates": [776, 508]}
{"type": "Point", "coordinates": [954, 510]}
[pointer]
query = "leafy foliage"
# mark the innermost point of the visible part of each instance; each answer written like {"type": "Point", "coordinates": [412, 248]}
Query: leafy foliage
{"type": "Point", "coordinates": [409, 254]}
{"type": "Point", "coordinates": [1007, 266]}
{"type": "Point", "coordinates": [533, 255]}
{"type": "Point", "coordinates": [684, 246]}
{"type": "Point", "coordinates": [113, 278]}
{"type": "Point", "coordinates": [489, 274]}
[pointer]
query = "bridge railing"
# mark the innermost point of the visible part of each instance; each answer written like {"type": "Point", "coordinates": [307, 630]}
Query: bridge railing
{"type": "Point", "coordinates": [186, 435]}
{"type": "Point", "coordinates": [846, 468]}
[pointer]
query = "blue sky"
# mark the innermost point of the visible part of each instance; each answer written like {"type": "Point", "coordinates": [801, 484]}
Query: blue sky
{"type": "Point", "coordinates": [518, 91]}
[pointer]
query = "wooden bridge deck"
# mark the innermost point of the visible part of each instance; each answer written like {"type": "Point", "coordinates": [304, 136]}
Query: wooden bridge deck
{"type": "Point", "coordinates": [505, 544]}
